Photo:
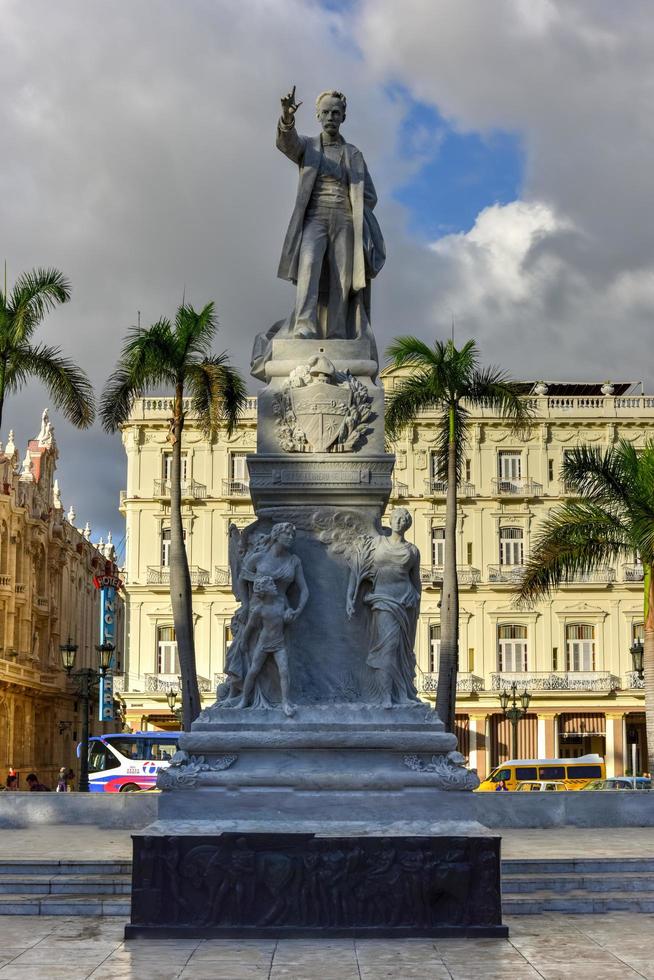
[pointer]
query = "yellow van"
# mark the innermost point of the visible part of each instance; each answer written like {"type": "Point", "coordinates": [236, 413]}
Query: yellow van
{"type": "Point", "coordinates": [575, 773]}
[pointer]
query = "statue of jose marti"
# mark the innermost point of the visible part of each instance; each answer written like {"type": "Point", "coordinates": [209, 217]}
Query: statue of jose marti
{"type": "Point", "coordinates": [333, 247]}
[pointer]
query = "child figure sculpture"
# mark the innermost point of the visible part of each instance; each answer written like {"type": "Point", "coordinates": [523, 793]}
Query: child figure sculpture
{"type": "Point", "coordinates": [269, 613]}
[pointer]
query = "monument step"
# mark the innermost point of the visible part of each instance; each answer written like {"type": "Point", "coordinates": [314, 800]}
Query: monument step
{"type": "Point", "coordinates": [577, 902]}
{"type": "Point", "coordinates": [76, 904]}
{"type": "Point", "coordinates": [64, 884]}
{"type": "Point", "coordinates": [610, 881]}
{"type": "Point", "coordinates": [16, 866]}
{"type": "Point", "coordinates": [549, 866]}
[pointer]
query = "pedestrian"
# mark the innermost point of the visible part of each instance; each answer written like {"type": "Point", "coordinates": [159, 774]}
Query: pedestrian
{"type": "Point", "coordinates": [11, 784]}
{"type": "Point", "coordinates": [502, 787]}
{"type": "Point", "coordinates": [62, 782]}
{"type": "Point", "coordinates": [70, 779]}
{"type": "Point", "coordinates": [35, 785]}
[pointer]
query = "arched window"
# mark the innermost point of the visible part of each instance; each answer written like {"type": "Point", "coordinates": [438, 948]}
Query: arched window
{"type": "Point", "coordinates": [512, 649]}
{"type": "Point", "coordinates": [434, 647]}
{"type": "Point", "coordinates": [511, 546]}
{"type": "Point", "coordinates": [580, 647]}
{"type": "Point", "coordinates": [167, 660]}
{"type": "Point", "coordinates": [438, 546]}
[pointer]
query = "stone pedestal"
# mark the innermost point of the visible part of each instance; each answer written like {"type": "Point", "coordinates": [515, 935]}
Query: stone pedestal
{"type": "Point", "coordinates": [200, 882]}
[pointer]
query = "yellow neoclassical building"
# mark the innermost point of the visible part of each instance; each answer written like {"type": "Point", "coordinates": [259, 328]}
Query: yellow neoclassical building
{"type": "Point", "coordinates": [47, 597]}
{"type": "Point", "coordinates": [571, 652]}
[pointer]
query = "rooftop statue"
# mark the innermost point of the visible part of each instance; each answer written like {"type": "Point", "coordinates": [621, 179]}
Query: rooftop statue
{"type": "Point", "coordinates": [333, 247]}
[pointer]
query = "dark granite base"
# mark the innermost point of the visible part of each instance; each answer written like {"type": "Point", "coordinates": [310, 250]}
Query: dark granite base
{"type": "Point", "coordinates": [304, 885]}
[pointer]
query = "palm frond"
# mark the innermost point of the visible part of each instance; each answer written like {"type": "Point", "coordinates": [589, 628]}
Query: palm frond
{"type": "Point", "coordinates": [69, 386]}
{"type": "Point", "coordinates": [148, 360]}
{"type": "Point", "coordinates": [412, 350]}
{"type": "Point", "coordinates": [419, 391]}
{"type": "Point", "coordinates": [605, 476]}
{"type": "Point", "coordinates": [574, 539]}
{"type": "Point", "coordinates": [495, 389]}
{"type": "Point", "coordinates": [195, 331]}
{"type": "Point", "coordinates": [218, 392]}
{"type": "Point", "coordinates": [33, 295]}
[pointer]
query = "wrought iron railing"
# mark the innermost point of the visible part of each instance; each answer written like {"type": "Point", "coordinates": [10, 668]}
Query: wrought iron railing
{"type": "Point", "coordinates": [433, 574]}
{"type": "Point", "coordinates": [399, 490]}
{"type": "Point", "coordinates": [509, 574]}
{"type": "Point", "coordinates": [465, 683]}
{"type": "Point", "coordinates": [557, 680]}
{"type": "Point", "coordinates": [633, 572]}
{"type": "Point", "coordinates": [219, 679]}
{"type": "Point", "coordinates": [236, 488]}
{"type": "Point", "coordinates": [518, 488]}
{"type": "Point", "coordinates": [160, 575]}
{"type": "Point", "coordinates": [161, 683]}
{"type": "Point", "coordinates": [438, 488]}
{"type": "Point", "coordinates": [633, 682]}
{"type": "Point", "coordinates": [221, 575]}
{"type": "Point", "coordinates": [605, 574]}
{"type": "Point", "coordinates": [191, 489]}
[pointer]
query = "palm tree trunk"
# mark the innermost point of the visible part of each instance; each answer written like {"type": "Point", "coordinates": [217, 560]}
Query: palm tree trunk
{"type": "Point", "coordinates": [648, 663]}
{"type": "Point", "coordinates": [449, 654]}
{"type": "Point", "coordinates": [181, 598]}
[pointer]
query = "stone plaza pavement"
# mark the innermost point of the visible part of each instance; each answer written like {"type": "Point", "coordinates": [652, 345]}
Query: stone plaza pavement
{"type": "Point", "coordinates": [551, 946]}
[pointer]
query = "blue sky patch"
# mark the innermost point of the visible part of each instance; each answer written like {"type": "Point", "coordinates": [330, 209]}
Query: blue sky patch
{"type": "Point", "coordinates": [458, 174]}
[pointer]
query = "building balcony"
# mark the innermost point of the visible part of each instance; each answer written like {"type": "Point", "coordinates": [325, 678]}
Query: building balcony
{"type": "Point", "coordinates": [557, 680]}
{"type": "Point", "coordinates": [506, 574]}
{"type": "Point", "coordinates": [633, 682]}
{"type": "Point", "coordinates": [41, 602]}
{"type": "Point", "coordinates": [399, 490]}
{"type": "Point", "coordinates": [222, 576]}
{"type": "Point", "coordinates": [160, 575]}
{"type": "Point", "coordinates": [633, 572]}
{"type": "Point", "coordinates": [5, 583]}
{"type": "Point", "coordinates": [517, 488]}
{"type": "Point", "coordinates": [161, 683]}
{"type": "Point", "coordinates": [236, 488]}
{"type": "Point", "coordinates": [191, 489]}
{"type": "Point", "coordinates": [433, 575]}
{"type": "Point", "coordinates": [219, 679]}
{"type": "Point", "coordinates": [438, 488]}
{"type": "Point", "coordinates": [20, 588]}
{"type": "Point", "coordinates": [465, 683]}
{"type": "Point", "coordinates": [604, 576]}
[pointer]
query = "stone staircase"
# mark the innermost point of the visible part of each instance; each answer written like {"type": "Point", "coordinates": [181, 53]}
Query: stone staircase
{"type": "Point", "coordinates": [65, 887]}
{"type": "Point", "coordinates": [529, 887]}
{"type": "Point", "coordinates": [577, 885]}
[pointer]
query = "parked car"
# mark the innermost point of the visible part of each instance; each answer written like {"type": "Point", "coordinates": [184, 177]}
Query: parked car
{"type": "Point", "coordinates": [620, 782]}
{"type": "Point", "coordinates": [540, 786]}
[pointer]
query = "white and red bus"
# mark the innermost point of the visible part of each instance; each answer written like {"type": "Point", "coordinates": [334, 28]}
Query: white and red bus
{"type": "Point", "coordinates": [128, 761]}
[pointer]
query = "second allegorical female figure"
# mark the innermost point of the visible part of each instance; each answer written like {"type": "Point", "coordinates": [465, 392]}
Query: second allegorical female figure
{"type": "Point", "coordinates": [386, 569]}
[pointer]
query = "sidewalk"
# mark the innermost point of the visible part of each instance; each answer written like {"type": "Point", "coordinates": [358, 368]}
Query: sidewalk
{"type": "Point", "coordinates": [550, 947]}
{"type": "Point", "coordinates": [87, 842]}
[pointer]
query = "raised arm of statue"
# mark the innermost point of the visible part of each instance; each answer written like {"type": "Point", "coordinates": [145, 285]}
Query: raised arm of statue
{"type": "Point", "coordinates": [288, 140]}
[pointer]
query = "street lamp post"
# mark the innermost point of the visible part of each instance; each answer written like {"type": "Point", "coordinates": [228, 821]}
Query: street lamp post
{"type": "Point", "coordinates": [637, 650]}
{"type": "Point", "coordinates": [85, 679]}
{"type": "Point", "coordinates": [171, 698]}
{"type": "Point", "coordinates": [513, 711]}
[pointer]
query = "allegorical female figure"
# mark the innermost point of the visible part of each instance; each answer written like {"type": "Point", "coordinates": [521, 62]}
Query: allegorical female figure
{"type": "Point", "coordinates": [386, 568]}
{"type": "Point", "coordinates": [268, 556]}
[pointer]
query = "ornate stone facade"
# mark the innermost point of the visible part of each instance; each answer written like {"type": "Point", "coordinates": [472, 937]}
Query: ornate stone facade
{"type": "Point", "coordinates": [46, 596]}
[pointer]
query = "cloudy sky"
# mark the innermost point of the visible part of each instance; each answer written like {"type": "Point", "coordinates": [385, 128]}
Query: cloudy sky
{"type": "Point", "coordinates": [510, 144]}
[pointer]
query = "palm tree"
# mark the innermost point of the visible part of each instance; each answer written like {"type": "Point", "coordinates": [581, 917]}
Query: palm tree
{"type": "Point", "coordinates": [451, 382]}
{"type": "Point", "coordinates": [178, 356]}
{"type": "Point", "coordinates": [34, 294]}
{"type": "Point", "coordinates": [612, 518]}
